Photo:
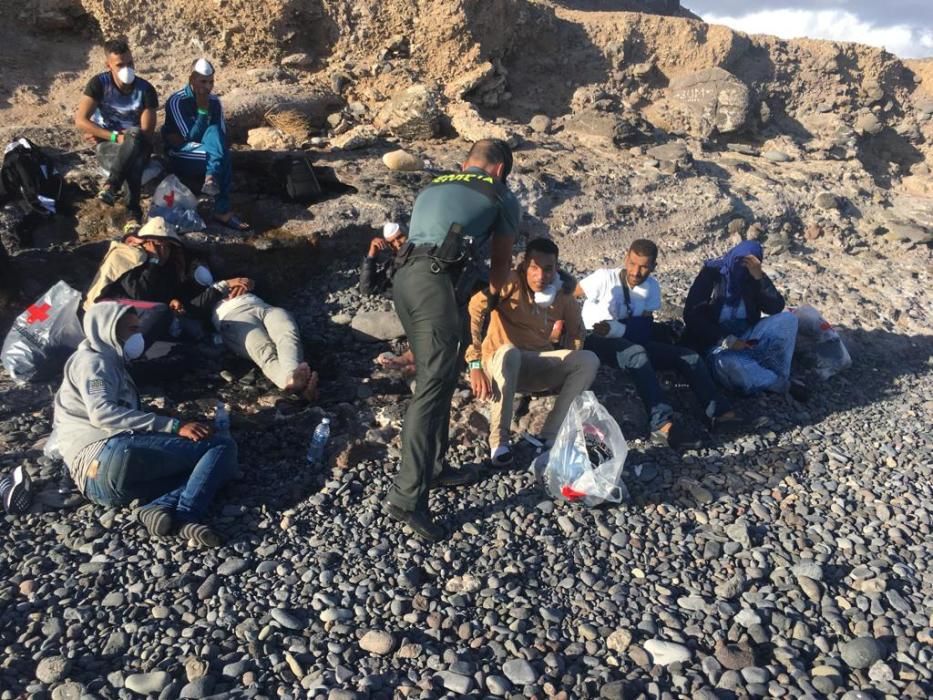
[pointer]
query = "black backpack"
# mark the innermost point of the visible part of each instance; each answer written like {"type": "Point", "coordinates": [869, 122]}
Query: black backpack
{"type": "Point", "coordinates": [29, 173]}
{"type": "Point", "coordinates": [301, 184]}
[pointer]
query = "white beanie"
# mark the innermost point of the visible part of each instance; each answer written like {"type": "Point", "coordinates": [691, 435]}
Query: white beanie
{"type": "Point", "coordinates": [391, 230]}
{"type": "Point", "coordinates": [203, 67]}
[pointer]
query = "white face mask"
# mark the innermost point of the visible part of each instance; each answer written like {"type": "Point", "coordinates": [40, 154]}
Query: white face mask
{"type": "Point", "coordinates": [546, 298]}
{"type": "Point", "coordinates": [134, 346]}
{"type": "Point", "coordinates": [126, 75]}
{"type": "Point", "coordinates": [203, 276]}
{"type": "Point", "coordinates": [154, 260]}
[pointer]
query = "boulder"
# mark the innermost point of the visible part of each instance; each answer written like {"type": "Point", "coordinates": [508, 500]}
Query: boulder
{"type": "Point", "coordinates": [540, 123]}
{"type": "Point", "coordinates": [596, 127]}
{"type": "Point", "coordinates": [265, 138]}
{"type": "Point", "coordinates": [303, 61]}
{"type": "Point", "coordinates": [412, 114]}
{"type": "Point", "coordinates": [868, 124]}
{"type": "Point", "coordinates": [468, 123]}
{"type": "Point", "coordinates": [711, 101]}
{"type": "Point", "coordinates": [246, 108]}
{"type": "Point", "coordinates": [671, 156]}
{"type": "Point", "coordinates": [358, 137]}
{"type": "Point", "coordinates": [402, 160]}
{"type": "Point", "coordinates": [374, 326]}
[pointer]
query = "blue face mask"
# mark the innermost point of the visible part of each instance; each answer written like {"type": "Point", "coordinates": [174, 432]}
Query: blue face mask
{"type": "Point", "coordinates": [134, 346]}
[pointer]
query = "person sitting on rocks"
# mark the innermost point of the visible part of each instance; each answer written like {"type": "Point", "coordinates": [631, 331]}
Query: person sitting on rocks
{"type": "Point", "coordinates": [379, 264]}
{"type": "Point", "coordinates": [533, 316]}
{"type": "Point", "coordinates": [195, 135]}
{"type": "Point", "coordinates": [618, 311]}
{"type": "Point", "coordinates": [152, 266]}
{"type": "Point", "coordinates": [118, 113]}
{"type": "Point", "coordinates": [723, 315]}
{"type": "Point", "coordinates": [116, 452]}
{"type": "Point", "coordinates": [268, 336]}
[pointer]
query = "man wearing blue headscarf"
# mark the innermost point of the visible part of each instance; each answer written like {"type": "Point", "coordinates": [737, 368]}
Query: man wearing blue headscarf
{"type": "Point", "coordinates": [723, 314]}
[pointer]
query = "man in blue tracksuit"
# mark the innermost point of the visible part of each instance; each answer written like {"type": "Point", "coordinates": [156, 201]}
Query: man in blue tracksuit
{"type": "Point", "coordinates": [196, 138]}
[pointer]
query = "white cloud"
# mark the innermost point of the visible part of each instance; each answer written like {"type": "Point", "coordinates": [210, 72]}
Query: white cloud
{"type": "Point", "coordinates": [837, 25]}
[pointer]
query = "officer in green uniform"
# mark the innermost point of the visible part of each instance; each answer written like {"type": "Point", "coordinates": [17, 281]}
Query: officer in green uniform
{"type": "Point", "coordinates": [456, 214]}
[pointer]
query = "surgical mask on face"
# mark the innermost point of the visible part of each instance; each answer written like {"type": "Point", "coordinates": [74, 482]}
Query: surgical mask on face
{"type": "Point", "coordinates": [126, 75]}
{"type": "Point", "coordinates": [546, 297]}
{"type": "Point", "coordinates": [134, 346]}
{"type": "Point", "coordinates": [203, 276]}
{"type": "Point", "coordinates": [154, 259]}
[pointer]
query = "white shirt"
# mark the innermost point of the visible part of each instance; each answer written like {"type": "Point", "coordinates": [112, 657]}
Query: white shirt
{"type": "Point", "coordinates": [226, 307]}
{"type": "Point", "coordinates": [605, 300]}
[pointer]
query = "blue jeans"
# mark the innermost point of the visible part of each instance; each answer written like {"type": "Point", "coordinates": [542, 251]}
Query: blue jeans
{"type": "Point", "coordinates": [764, 367]}
{"type": "Point", "coordinates": [194, 161]}
{"type": "Point", "coordinates": [163, 470]}
{"type": "Point", "coordinates": [641, 361]}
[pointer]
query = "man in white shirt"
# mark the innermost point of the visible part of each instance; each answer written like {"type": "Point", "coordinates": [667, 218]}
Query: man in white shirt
{"type": "Point", "coordinates": [618, 311]}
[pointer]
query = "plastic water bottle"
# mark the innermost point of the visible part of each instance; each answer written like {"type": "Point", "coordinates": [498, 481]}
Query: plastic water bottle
{"type": "Point", "coordinates": [319, 441]}
{"type": "Point", "coordinates": [222, 418]}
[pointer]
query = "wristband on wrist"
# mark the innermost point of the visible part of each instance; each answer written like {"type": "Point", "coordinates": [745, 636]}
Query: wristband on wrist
{"type": "Point", "coordinates": [476, 364]}
{"type": "Point", "coordinates": [202, 111]}
{"type": "Point", "coordinates": [176, 426]}
{"type": "Point", "coordinates": [113, 137]}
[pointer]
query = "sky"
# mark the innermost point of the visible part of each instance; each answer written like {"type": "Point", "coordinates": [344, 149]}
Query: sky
{"type": "Point", "coordinates": [903, 27]}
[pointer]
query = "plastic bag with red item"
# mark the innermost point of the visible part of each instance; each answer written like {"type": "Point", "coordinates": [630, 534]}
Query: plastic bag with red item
{"type": "Point", "coordinates": [586, 462]}
{"type": "Point", "coordinates": [819, 346]}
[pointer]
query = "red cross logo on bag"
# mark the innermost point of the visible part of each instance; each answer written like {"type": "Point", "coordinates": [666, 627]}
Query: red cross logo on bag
{"type": "Point", "coordinates": [169, 199]}
{"type": "Point", "coordinates": [37, 313]}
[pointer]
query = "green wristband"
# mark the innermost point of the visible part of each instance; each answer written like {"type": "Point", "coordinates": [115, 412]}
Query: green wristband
{"type": "Point", "coordinates": [113, 137]}
{"type": "Point", "coordinates": [476, 364]}
{"type": "Point", "coordinates": [176, 425]}
{"type": "Point", "coordinates": [202, 111]}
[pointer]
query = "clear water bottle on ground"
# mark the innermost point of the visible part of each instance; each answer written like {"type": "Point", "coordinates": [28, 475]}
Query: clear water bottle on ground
{"type": "Point", "coordinates": [319, 441]}
{"type": "Point", "coordinates": [222, 418]}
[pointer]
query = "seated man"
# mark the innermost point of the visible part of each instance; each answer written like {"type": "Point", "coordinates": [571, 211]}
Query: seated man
{"type": "Point", "coordinates": [152, 266]}
{"type": "Point", "coordinates": [379, 264]}
{"type": "Point", "coordinates": [195, 135]}
{"type": "Point", "coordinates": [268, 336]}
{"type": "Point", "coordinates": [723, 314]}
{"type": "Point", "coordinates": [532, 316]}
{"type": "Point", "coordinates": [118, 113]}
{"type": "Point", "coordinates": [116, 452]}
{"type": "Point", "coordinates": [618, 312]}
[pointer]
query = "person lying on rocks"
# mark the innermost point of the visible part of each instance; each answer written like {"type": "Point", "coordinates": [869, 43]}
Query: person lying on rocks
{"type": "Point", "coordinates": [153, 266]}
{"type": "Point", "coordinates": [265, 334]}
{"type": "Point", "coordinates": [195, 135]}
{"type": "Point", "coordinates": [118, 113]}
{"type": "Point", "coordinates": [532, 344]}
{"type": "Point", "coordinates": [376, 278]}
{"type": "Point", "coordinates": [618, 311]}
{"type": "Point", "coordinates": [747, 352]}
{"type": "Point", "coordinates": [117, 452]}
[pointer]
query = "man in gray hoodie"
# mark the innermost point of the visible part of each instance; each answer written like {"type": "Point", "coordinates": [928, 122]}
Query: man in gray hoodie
{"type": "Point", "coordinates": [116, 452]}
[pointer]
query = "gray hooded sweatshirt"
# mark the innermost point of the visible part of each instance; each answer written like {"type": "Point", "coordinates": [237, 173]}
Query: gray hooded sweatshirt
{"type": "Point", "coordinates": [98, 398]}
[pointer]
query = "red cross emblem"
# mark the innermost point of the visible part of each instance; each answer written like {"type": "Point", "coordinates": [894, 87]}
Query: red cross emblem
{"type": "Point", "coordinates": [37, 313]}
{"type": "Point", "coordinates": [169, 199]}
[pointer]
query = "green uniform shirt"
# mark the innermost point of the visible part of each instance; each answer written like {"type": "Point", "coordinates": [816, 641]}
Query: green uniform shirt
{"type": "Point", "coordinates": [438, 207]}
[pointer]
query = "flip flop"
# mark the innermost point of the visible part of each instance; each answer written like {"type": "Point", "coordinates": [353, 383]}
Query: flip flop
{"type": "Point", "coordinates": [234, 223]}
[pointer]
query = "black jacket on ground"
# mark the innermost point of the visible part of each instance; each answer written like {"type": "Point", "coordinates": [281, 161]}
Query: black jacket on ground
{"type": "Point", "coordinates": [706, 299]}
{"type": "Point", "coordinates": [161, 283]}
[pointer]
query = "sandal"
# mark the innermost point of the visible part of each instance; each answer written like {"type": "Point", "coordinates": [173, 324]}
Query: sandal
{"type": "Point", "coordinates": [233, 222]}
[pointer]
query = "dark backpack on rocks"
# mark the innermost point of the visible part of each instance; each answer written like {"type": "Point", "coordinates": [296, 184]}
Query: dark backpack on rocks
{"type": "Point", "coordinates": [29, 174]}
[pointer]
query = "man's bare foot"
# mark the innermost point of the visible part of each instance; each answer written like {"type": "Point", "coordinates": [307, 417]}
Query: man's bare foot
{"type": "Point", "coordinates": [299, 379]}
{"type": "Point", "coordinates": [310, 392]}
{"type": "Point", "coordinates": [390, 360]}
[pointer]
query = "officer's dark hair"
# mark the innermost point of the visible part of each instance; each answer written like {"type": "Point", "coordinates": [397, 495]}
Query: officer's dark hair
{"type": "Point", "coordinates": [493, 151]}
{"type": "Point", "coordinates": [118, 46]}
{"type": "Point", "coordinates": [644, 248]}
{"type": "Point", "coordinates": [541, 245]}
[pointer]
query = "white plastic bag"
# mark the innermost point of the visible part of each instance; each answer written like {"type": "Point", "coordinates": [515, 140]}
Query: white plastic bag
{"type": "Point", "coordinates": [172, 194]}
{"type": "Point", "coordinates": [44, 335]}
{"type": "Point", "coordinates": [818, 344]}
{"type": "Point", "coordinates": [586, 462]}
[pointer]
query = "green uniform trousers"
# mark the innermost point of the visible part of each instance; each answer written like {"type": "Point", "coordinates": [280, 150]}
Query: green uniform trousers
{"type": "Point", "coordinates": [428, 311]}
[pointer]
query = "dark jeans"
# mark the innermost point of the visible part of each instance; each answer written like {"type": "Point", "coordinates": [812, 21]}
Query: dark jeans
{"type": "Point", "coordinates": [641, 361]}
{"type": "Point", "coordinates": [126, 162]}
{"type": "Point", "coordinates": [163, 470]}
{"type": "Point", "coordinates": [428, 311]}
